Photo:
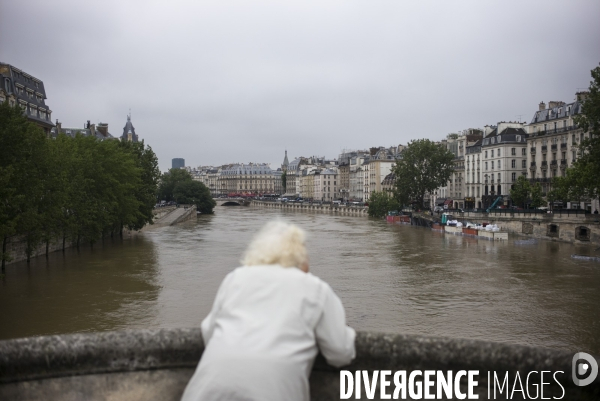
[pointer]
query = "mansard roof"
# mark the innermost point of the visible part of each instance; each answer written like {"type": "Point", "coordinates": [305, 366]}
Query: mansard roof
{"type": "Point", "coordinates": [507, 135]}
{"type": "Point", "coordinates": [558, 112]}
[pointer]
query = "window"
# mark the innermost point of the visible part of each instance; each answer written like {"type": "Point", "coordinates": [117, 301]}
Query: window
{"type": "Point", "coordinates": [492, 155]}
{"type": "Point", "coordinates": [523, 152]}
{"type": "Point", "coordinates": [513, 151]}
{"type": "Point", "coordinates": [523, 163]}
{"type": "Point", "coordinates": [498, 177]}
{"type": "Point", "coordinates": [513, 163]}
{"type": "Point", "coordinates": [486, 157]}
{"type": "Point", "coordinates": [499, 164]}
{"type": "Point", "coordinates": [513, 177]}
{"type": "Point", "coordinates": [498, 152]}
{"type": "Point", "coordinates": [492, 164]}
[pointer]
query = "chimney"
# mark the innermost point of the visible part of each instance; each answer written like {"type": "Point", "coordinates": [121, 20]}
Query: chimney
{"type": "Point", "coordinates": [373, 151]}
{"type": "Point", "coordinates": [87, 125]}
{"type": "Point", "coordinates": [92, 128]}
{"type": "Point", "coordinates": [58, 127]}
{"type": "Point", "coordinates": [103, 129]}
{"type": "Point", "coordinates": [554, 103]}
{"type": "Point", "coordinates": [542, 106]}
{"type": "Point", "coordinates": [582, 96]}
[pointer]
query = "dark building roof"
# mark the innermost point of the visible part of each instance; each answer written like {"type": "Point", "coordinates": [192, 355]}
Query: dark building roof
{"type": "Point", "coordinates": [28, 91]}
{"type": "Point", "coordinates": [129, 129]}
{"type": "Point", "coordinates": [99, 132]}
{"type": "Point", "coordinates": [507, 135]}
{"type": "Point", "coordinates": [560, 111]}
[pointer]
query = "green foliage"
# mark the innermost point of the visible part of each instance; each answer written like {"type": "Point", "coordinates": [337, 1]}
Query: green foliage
{"type": "Point", "coordinates": [75, 188]}
{"type": "Point", "coordinates": [382, 202]}
{"type": "Point", "coordinates": [573, 186]}
{"type": "Point", "coordinates": [520, 191]}
{"type": "Point", "coordinates": [195, 193]}
{"type": "Point", "coordinates": [583, 179]}
{"type": "Point", "coordinates": [424, 167]}
{"type": "Point", "coordinates": [537, 199]}
{"type": "Point", "coordinates": [523, 193]}
{"type": "Point", "coordinates": [284, 181]}
{"type": "Point", "coordinates": [168, 182]}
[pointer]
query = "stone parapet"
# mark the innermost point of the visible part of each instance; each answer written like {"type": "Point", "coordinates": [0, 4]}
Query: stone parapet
{"type": "Point", "coordinates": [156, 364]}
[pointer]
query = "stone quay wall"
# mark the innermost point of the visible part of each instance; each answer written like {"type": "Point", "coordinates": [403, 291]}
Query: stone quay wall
{"type": "Point", "coordinates": [573, 228]}
{"type": "Point", "coordinates": [314, 207]}
{"type": "Point", "coordinates": [157, 364]}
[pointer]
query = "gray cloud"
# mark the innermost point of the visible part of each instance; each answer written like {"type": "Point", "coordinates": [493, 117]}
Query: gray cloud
{"type": "Point", "coordinates": [219, 82]}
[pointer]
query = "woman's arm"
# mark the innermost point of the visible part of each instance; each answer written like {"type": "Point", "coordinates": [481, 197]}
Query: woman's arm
{"type": "Point", "coordinates": [208, 324]}
{"type": "Point", "coordinates": [334, 338]}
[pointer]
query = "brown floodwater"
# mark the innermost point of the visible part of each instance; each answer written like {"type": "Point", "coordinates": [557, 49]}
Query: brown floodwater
{"type": "Point", "coordinates": [391, 278]}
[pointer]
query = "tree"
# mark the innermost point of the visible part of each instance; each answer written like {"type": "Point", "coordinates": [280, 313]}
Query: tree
{"type": "Point", "coordinates": [22, 166]}
{"type": "Point", "coordinates": [424, 167]}
{"type": "Point", "coordinates": [169, 180]}
{"type": "Point", "coordinates": [584, 181]}
{"type": "Point", "coordinates": [537, 199]}
{"type": "Point", "coordinates": [284, 181]}
{"type": "Point", "coordinates": [520, 191]}
{"type": "Point", "coordinates": [382, 202]}
{"type": "Point", "coordinates": [195, 193]}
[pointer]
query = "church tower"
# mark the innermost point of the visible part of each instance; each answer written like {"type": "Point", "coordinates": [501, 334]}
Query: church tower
{"type": "Point", "coordinates": [129, 134]}
{"type": "Point", "coordinates": [286, 162]}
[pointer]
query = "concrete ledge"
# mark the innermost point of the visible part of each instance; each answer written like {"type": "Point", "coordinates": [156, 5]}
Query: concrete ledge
{"type": "Point", "coordinates": [41, 366]}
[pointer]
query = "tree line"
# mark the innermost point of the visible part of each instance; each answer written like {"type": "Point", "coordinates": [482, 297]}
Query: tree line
{"type": "Point", "coordinates": [177, 185]}
{"type": "Point", "coordinates": [72, 189]}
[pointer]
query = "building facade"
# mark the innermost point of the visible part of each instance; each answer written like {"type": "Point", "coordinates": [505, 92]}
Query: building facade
{"type": "Point", "coordinates": [326, 185]}
{"type": "Point", "coordinates": [19, 88]}
{"type": "Point", "coordinates": [552, 145]}
{"type": "Point", "coordinates": [176, 162]}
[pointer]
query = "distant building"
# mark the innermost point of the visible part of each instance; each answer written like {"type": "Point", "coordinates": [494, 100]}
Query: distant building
{"type": "Point", "coordinates": [28, 92]}
{"type": "Point", "coordinates": [178, 163]}
{"type": "Point", "coordinates": [129, 134]}
{"type": "Point", "coordinates": [99, 131]}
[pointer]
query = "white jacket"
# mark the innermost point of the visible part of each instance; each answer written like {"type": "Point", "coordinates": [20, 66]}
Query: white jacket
{"type": "Point", "coordinates": [262, 333]}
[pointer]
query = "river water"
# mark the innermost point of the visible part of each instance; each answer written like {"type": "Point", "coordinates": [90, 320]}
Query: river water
{"type": "Point", "coordinates": [391, 278]}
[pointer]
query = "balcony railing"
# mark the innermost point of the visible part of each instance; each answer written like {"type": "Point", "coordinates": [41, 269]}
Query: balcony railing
{"type": "Point", "coordinates": [554, 162]}
{"type": "Point", "coordinates": [563, 146]}
{"type": "Point", "coordinates": [554, 147]}
{"type": "Point", "coordinates": [556, 130]}
{"type": "Point", "coordinates": [532, 164]}
{"type": "Point", "coordinates": [532, 150]}
{"type": "Point", "coordinates": [544, 148]}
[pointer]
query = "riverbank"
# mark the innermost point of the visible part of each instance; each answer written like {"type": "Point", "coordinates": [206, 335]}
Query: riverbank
{"type": "Point", "coordinates": [581, 229]}
{"type": "Point", "coordinates": [17, 247]}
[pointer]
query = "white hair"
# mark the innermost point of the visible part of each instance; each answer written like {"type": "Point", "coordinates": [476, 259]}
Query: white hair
{"type": "Point", "coordinates": [277, 243]}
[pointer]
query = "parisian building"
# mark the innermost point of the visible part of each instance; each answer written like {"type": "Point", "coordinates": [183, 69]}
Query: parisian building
{"type": "Point", "coordinates": [552, 145]}
{"type": "Point", "coordinates": [18, 87]}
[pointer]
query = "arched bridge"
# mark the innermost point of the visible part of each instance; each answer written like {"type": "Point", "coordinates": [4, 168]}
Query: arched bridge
{"type": "Point", "coordinates": [232, 202]}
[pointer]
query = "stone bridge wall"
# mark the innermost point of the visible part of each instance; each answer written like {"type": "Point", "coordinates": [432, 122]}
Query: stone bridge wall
{"type": "Point", "coordinates": [157, 364]}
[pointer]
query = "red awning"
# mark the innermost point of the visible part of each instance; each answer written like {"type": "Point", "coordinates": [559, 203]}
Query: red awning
{"type": "Point", "coordinates": [448, 202]}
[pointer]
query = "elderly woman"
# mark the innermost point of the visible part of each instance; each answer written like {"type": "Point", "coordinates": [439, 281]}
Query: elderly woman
{"type": "Point", "coordinates": [267, 320]}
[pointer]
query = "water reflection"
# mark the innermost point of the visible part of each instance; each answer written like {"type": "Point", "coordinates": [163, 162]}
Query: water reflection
{"type": "Point", "coordinates": [391, 278]}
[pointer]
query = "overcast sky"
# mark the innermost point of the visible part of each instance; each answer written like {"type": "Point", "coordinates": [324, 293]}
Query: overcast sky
{"type": "Point", "coordinates": [227, 81]}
